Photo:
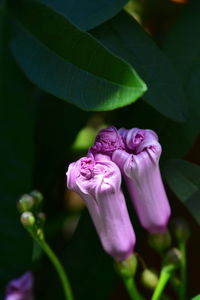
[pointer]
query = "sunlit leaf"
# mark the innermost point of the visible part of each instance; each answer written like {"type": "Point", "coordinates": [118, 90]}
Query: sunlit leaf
{"type": "Point", "coordinates": [69, 63]}
{"type": "Point", "coordinates": [126, 38]}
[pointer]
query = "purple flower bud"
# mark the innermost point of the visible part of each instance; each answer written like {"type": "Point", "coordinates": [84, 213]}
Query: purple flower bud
{"type": "Point", "coordinates": [107, 141]}
{"type": "Point", "coordinates": [136, 140]}
{"type": "Point", "coordinates": [20, 288]}
{"type": "Point", "coordinates": [98, 182]}
{"type": "Point", "coordinates": [143, 178]}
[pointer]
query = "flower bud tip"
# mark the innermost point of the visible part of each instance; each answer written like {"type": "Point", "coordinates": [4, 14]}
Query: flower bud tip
{"type": "Point", "coordinates": [27, 219]}
{"type": "Point", "coordinates": [127, 268]}
{"type": "Point", "coordinates": [149, 279]}
{"type": "Point", "coordinates": [37, 196]}
{"type": "Point", "coordinates": [26, 203]}
{"type": "Point", "coordinates": [172, 258]}
{"type": "Point", "coordinates": [181, 229]}
{"type": "Point", "coordinates": [161, 241]}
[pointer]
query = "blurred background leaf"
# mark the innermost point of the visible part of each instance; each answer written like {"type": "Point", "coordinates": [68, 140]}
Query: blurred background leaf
{"type": "Point", "coordinates": [87, 14]}
{"type": "Point", "coordinates": [183, 178]}
{"type": "Point", "coordinates": [57, 125]}
{"type": "Point", "coordinates": [126, 38]}
{"type": "Point", "coordinates": [69, 63]}
{"type": "Point", "coordinates": [17, 154]}
{"type": "Point", "coordinates": [183, 48]}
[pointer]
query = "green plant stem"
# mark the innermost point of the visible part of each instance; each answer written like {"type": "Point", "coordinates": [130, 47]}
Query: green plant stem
{"type": "Point", "coordinates": [164, 277]}
{"type": "Point", "coordinates": [132, 289]}
{"type": "Point", "coordinates": [55, 261]}
{"type": "Point", "coordinates": [183, 271]}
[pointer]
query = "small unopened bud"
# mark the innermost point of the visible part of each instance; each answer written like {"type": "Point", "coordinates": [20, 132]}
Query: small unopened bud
{"type": "Point", "coordinates": [173, 258]}
{"type": "Point", "coordinates": [149, 279]}
{"type": "Point", "coordinates": [42, 217]}
{"type": "Point", "coordinates": [127, 268]}
{"type": "Point", "coordinates": [37, 196]}
{"type": "Point", "coordinates": [27, 219]}
{"type": "Point", "coordinates": [26, 203]}
{"type": "Point", "coordinates": [181, 229]}
{"type": "Point", "coordinates": [160, 242]}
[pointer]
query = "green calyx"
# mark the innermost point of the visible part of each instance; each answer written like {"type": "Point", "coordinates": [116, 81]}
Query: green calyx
{"type": "Point", "coordinates": [127, 268]}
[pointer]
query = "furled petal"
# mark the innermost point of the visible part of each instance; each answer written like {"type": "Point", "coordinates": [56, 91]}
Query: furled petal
{"type": "Point", "coordinates": [136, 140]}
{"type": "Point", "coordinates": [20, 288]}
{"type": "Point", "coordinates": [144, 182]}
{"type": "Point", "coordinates": [98, 183]}
{"type": "Point", "coordinates": [107, 140]}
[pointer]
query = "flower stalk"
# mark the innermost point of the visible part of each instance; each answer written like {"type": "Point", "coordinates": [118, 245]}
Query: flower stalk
{"type": "Point", "coordinates": [127, 270]}
{"type": "Point", "coordinates": [183, 271]}
{"type": "Point", "coordinates": [33, 221]}
{"type": "Point", "coordinates": [171, 262]}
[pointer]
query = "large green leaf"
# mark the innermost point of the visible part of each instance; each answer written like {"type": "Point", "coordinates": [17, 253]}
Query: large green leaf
{"type": "Point", "coordinates": [87, 14]}
{"type": "Point", "coordinates": [184, 179]}
{"type": "Point", "coordinates": [69, 63]}
{"type": "Point", "coordinates": [125, 37]}
{"type": "Point", "coordinates": [16, 152]}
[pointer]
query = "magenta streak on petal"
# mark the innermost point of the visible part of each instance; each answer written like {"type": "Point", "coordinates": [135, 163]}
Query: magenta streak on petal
{"type": "Point", "coordinates": [144, 182]}
{"type": "Point", "coordinates": [106, 204]}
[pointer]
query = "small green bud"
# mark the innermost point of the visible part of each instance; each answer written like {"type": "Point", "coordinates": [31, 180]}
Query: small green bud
{"type": "Point", "coordinates": [160, 242]}
{"type": "Point", "coordinates": [37, 196]}
{"type": "Point", "coordinates": [40, 233]}
{"type": "Point", "coordinates": [173, 258]}
{"type": "Point", "coordinates": [26, 203]}
{"type": "Point", "coordinates": [181, 229]}
{"type": "Point", "coordinates": [27, 219]}
{"type": "Point", "coordinates": [41, 218]}
{"type": "Point", "coordinates": [149, 279]}
{"type": "Point", "coordinates": [127, 268]}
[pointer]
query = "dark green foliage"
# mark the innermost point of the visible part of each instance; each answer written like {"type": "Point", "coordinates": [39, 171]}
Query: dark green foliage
{"type": "Point", "coordinates": [126, 38]}
{"type": "Point", "coordinates": [86, 262]}
{"type": "Point", "coordinates": [95, 71]}
{"type": "Point", "coordinates": [184, 179]}
{"type": "Point", "coordinates": [16, 152]}
{"type": "Point", "coordinates": [87, 14]}
{"type": "Point", "coordinates": [92, 79]}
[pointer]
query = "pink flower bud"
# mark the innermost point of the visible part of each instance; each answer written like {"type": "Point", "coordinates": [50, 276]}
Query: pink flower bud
{"type": "Point", "coordinates": [98, 182]}
{"type": "Point", "coordinates": [107, 141]}
{"type": "Point", "coordinates": [143, 178]}
{"type": "Point", "coordinates": [136, 140]}
{"type": "Point", "coordinates": [20, 288]}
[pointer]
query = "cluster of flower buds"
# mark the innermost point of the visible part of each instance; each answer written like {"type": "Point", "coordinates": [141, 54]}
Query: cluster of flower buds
{"type": "Point", "coordinates": [20, 288]}
{"type": "Point", "coordinates": [29, 205]}
{"type": "Point", "coordinates": [133, 154]}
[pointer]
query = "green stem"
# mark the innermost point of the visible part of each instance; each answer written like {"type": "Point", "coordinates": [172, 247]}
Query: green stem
{"type": "Point", "coordinates": [164, 277]}
{"type": "Point", "coordinates": [55, 261]}
{"type": "Point", "coordinates": [132, 289]}
{"type": "Point", "coordinates": [183, 271]}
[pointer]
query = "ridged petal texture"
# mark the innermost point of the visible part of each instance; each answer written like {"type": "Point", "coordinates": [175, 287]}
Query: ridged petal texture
{"type": "Point", "coordinates": [140, 167]}
{"type": "Point", "coordinates": [98, 182]}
